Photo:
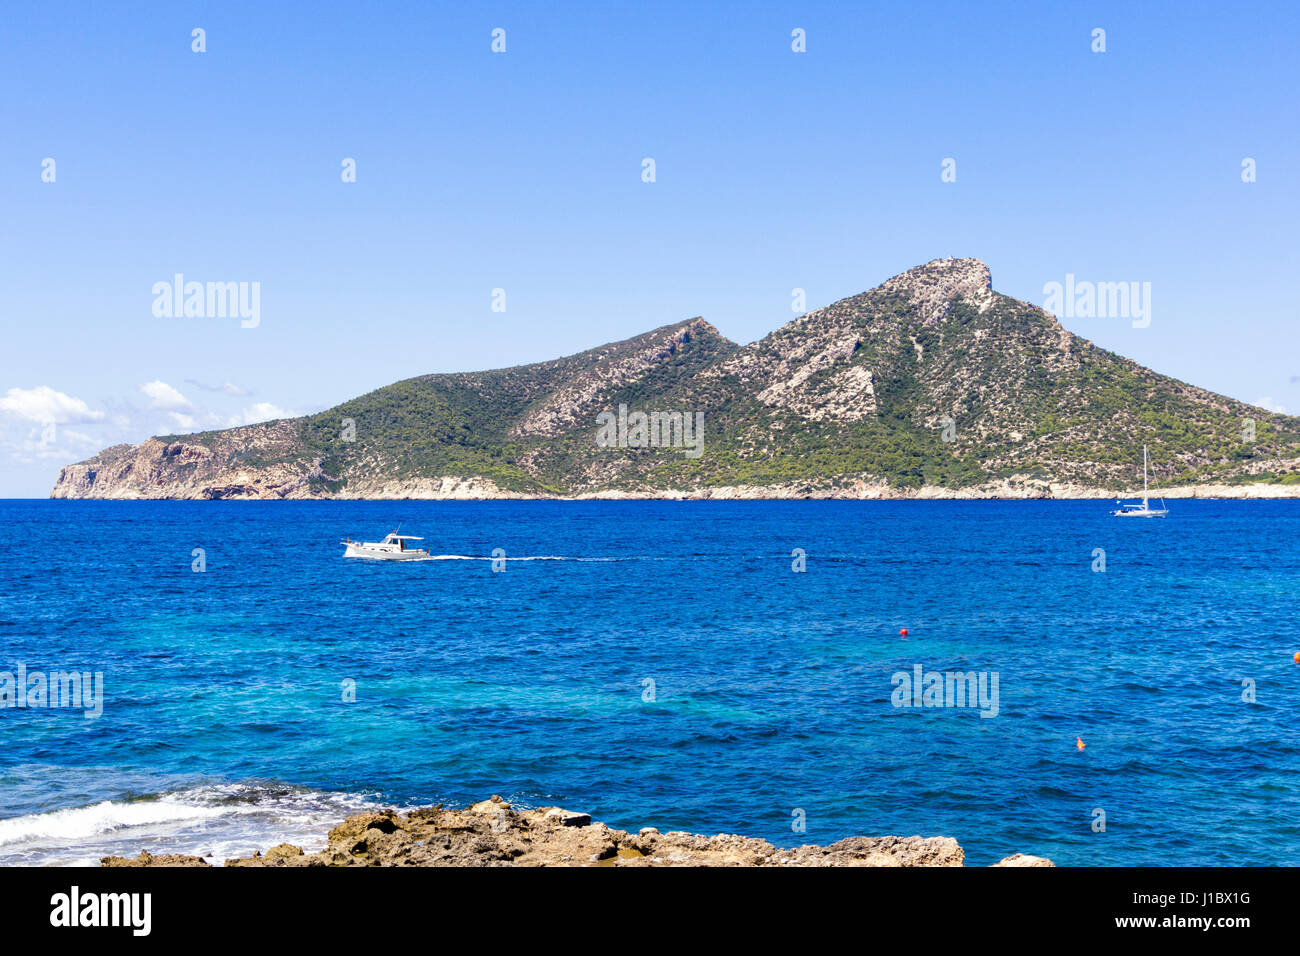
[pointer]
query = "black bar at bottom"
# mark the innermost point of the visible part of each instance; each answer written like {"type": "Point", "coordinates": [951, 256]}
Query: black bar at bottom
{"type": "Point", "coordinates": [366, 905]}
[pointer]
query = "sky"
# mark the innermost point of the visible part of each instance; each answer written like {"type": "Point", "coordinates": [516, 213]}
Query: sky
{"type": "Point", "coordinates": [824, 170]}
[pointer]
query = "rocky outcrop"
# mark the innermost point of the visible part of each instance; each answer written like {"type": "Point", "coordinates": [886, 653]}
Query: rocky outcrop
{"type": "Point", "coordinates": [254, 461]}
{"type": "Point", "coordinates": [933, 287]}
{"type": "Point", "coordinates": [494, 833]}
{"type": "Point", "coordinates": [148, 859]}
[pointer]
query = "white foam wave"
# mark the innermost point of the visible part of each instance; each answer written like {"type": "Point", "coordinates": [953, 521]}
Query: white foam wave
{"type": "Point", "coordinates": [214, 821]}
{"type": "Point", "coordinates": [82, 823]}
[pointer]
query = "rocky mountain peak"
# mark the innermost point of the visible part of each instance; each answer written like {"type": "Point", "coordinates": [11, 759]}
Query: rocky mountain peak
{"type": "Point", "coordinates": [699, 326]}
{"type": "Point", "coordinates": [935, 284]}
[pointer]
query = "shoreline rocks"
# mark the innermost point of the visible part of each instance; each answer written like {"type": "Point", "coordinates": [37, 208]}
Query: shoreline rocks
{"type": "Point", "coordinates": [189, 471]}
{"type": "Point", "coordinates": [494, 833]}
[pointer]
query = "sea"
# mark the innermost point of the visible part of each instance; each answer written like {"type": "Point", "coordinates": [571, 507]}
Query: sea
{"type": "Point", "coordinates": [1022, 676]}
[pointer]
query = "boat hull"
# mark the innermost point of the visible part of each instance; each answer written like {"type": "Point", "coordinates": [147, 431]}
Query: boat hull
{"type": "Point", "coordinates": [383, 554]}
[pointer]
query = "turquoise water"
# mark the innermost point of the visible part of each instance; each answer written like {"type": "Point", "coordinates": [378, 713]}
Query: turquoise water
{"type": "Point", "coordinates": [225, 728]}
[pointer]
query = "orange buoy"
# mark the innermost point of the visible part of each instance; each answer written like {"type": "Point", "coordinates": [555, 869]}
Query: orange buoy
{"type": "Point", "coordinates": [903, 633]}
{"type": "Point", "coordinates": [1078, 742]}
{"type": "Point", "coordinates": [1297, 657]}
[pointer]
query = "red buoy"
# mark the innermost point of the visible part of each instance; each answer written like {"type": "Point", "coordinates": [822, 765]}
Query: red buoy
{"type": "Point", "coordinates": [903, 633]}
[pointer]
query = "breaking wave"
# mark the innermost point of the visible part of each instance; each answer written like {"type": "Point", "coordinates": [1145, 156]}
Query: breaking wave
{"type": "Point", "coordinates": [214, 821]}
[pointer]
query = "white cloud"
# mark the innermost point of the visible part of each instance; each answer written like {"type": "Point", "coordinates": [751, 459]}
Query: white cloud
{"type": "Point", "coordinates": [1269, 405]}
{"type": "Point", "coordinates": [44, 405]}
{"type": "Point", "coordinates": [164, 396]}
{"type": "Point", "coordinates": [259, 412]}
{"type": "Point", "coordinates": [225, 388]}
{"type": "Point", "coordinates": [79, 438]}
{"type": "Point", "coordinates": [183, 421]}
{"type": "Point", "coordinates": [50, 442]}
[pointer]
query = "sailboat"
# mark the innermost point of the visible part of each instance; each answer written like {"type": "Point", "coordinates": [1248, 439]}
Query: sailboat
{"type": "Point", "coordinates": [1143, 510]}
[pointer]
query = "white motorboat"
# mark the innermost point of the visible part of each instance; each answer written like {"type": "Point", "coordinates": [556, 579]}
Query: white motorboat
{"type": "Point", "coordinates": [392, 548]}
{"type": "Point", "coordinates": [1143, 510]}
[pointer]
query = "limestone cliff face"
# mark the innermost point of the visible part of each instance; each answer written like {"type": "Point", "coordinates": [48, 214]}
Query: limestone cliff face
{"type": "Point", "coordinates": [931, 384]}
{"type": "Point", "coordinates": [255, 461]}
{"type": "Point", "coordinates": [809, 368]}
{"type": "Point", "coordinates": [180, 470]}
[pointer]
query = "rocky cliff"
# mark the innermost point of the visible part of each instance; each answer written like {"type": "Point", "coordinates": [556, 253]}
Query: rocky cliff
{"type": "Point", "coordinates": [930, 385]}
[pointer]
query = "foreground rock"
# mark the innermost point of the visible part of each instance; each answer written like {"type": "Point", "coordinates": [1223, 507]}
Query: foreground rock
{"type": "Point", "coordinates": [148, 859]}
{"type": "Point", "coordinates": [493, 833]}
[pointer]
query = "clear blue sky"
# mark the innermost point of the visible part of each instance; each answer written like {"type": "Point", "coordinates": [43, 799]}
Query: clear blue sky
{"type": "Point", "coordinates": [522, 171]}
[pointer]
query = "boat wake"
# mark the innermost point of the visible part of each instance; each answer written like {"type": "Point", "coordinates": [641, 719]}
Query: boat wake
{"type": "Point", "coordinates": [533, 557]}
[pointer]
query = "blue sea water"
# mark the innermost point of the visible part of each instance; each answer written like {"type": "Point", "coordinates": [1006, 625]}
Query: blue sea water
{"type": "Point", "coordinates": [225, 728]}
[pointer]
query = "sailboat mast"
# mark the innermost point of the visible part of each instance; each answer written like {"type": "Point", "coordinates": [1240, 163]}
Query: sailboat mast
{"type": "Point", "coordinates": [1144, 476]}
